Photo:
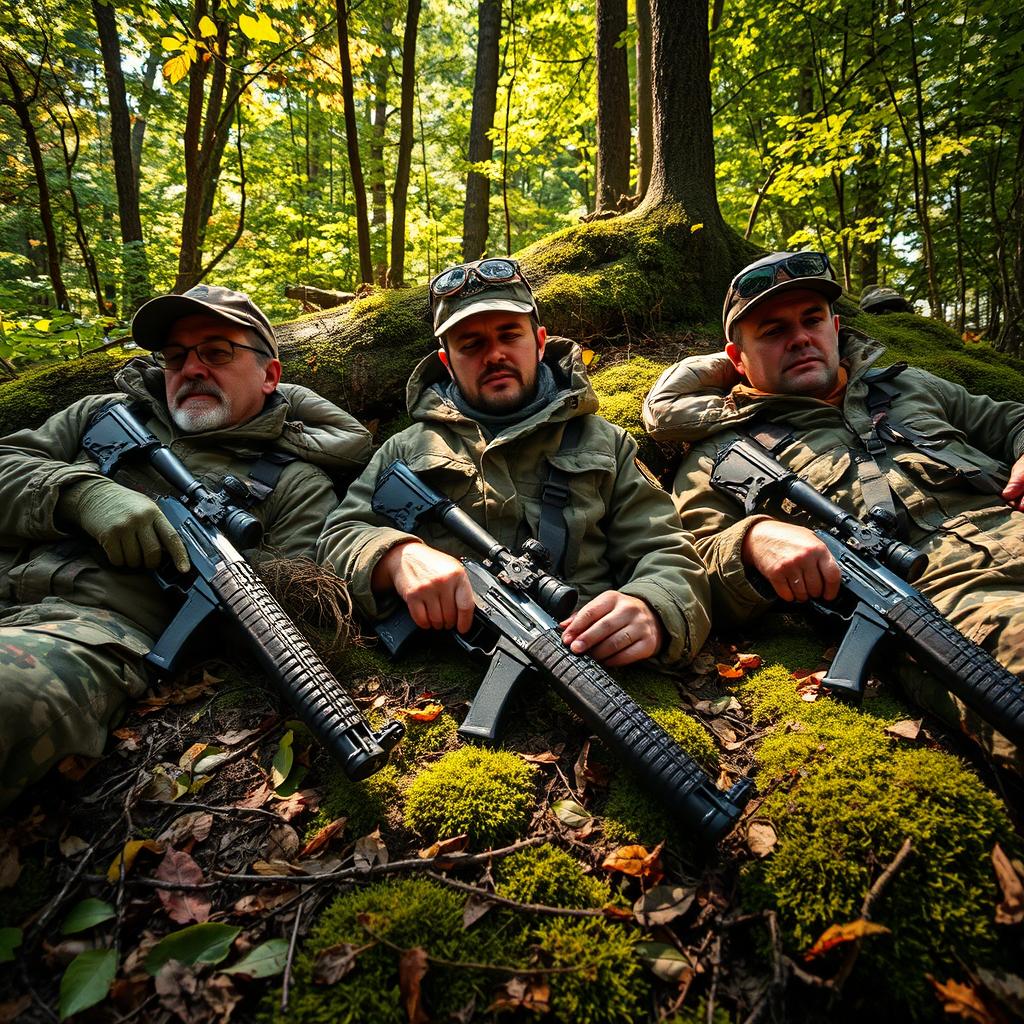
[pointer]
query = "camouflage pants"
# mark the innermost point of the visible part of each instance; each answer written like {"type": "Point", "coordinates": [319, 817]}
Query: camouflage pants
{"type": "Point", "coordinates": [66, 673]}
{"type": "Point", "coordinates": [976, 579]}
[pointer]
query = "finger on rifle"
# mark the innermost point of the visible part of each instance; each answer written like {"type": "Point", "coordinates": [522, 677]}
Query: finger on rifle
{"type": "Point", "coordinates": [418, 612]}
{"type": "Point", "coordinates": [150, 548]}
{"type": "Point", "coordinates": [832, 576]}
{"type": "Point", "coordinates": [781, 586]}
{"type": "Point", "coordinates": [172, 543]}
{"type": "Point", "coordinates": [119, 548]}
{"type": "Point", "coordinates": [590, 613]}
{"type": "Point", "coordinates": [599, 631]}
{"type": "Point", "coordinates": [437, 614]}
{"type": "Point", "coordinates": [464, 603]}
{"type": "Point", "coordinates": [814, 584]}
{"type": "Point", "coordinates": [634, 652]}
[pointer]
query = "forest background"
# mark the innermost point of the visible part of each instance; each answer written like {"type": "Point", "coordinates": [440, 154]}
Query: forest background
{"type": "Point", "coordinates": [147, 146]}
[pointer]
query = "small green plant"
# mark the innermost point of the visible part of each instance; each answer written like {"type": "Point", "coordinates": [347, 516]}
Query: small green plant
{"type": "Point", "coordinates": [544, 874]}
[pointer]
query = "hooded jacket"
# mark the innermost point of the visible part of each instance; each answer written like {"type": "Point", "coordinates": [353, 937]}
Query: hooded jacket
{"type": "Point", "coordinates": [693, 404]}
{"type": "Point", "coordinates": [623, 532]}
{"type": "Point", "coordinates": [42, 559]}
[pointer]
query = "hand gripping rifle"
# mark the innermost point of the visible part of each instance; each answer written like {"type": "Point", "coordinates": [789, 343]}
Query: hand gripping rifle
{"type": "Point", "coordinates": [876, 575]}
{"type": "Point", "coordinates": [518, 607]}
{"type": "Point", "coordinates": [220, 580]}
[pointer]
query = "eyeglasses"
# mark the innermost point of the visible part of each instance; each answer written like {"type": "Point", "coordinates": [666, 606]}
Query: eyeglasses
{"type": "Point", "coordinates": [212, 353]}
{"type": "Point", "coordinates": [801, 264]}
{"type": "Point", "coordinates": [486, 272]}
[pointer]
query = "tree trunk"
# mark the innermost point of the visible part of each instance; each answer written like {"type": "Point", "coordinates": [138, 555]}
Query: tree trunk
{"type": "Point", "coordinates": [485, 101]}
{"type": "Point", "coordinates": [145, 102]}
{"type": "Point", "coordinates": [352, 145]}
{"type": "Point", "coordinates": [378, 186]}
{"type": "Point", "coordinates": [613, 141]}
{"type": "Point", "coordinates": [644, 123]}
{"type": "Point", "coordinates": [405, 141]}
{"type": "Point", "coordinates": [19, 103]}
{"type": "Point", "coordinates": [135, 269]}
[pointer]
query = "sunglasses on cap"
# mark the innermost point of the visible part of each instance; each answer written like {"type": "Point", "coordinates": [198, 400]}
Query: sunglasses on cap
{"type": "Point", "coordinates": [801, 264]}
{"type": "Point", "coordinates": [468, 278]}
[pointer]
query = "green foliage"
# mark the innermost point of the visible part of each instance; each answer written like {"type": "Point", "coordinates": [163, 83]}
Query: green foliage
{"type": "Point", "coordinates": [607, 986]}
{"type": "Point", "coordinates": [367, 804]}
{"type": "Point", "coordinates": [549, 876]}
{"type": "Point", "coordinates": [427, 738]}
{"type": "Point", "coordinates": [848, 799]}
{"type": "Point", "coordinates": [622, 389]}
{"type": "Point", "coordinates": [487, 794]}
{"type": "Point", "coordinates": [409, 914]}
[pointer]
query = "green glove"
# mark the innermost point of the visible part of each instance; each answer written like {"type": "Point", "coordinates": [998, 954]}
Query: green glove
{"type": "Point", "coordinates": [130, 527]}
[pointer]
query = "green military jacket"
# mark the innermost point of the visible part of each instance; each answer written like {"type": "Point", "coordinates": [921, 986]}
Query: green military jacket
{"type": "Point", "coordinates": [39, 559]}
{"type": "Point", "coordinates": [623, 531]}
{"type": "Point", "coordinates": [693, 404]}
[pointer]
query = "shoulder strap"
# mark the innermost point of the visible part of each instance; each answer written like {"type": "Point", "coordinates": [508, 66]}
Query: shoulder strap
{"type": "Point", "coordinates": [553, 529]}
{"type": "Point", "coordinates": [265, 473]}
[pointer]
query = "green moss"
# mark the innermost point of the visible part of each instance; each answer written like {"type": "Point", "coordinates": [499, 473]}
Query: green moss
{"type": "Point", "coordinates": [698, 1014]}
{"type": "Point", "coordinates": [544, 874]}
{"type": "Point", "coordinates": [409, 914]}
{"type": "Point", "coordinates": [487, 794]}
{"type": "Point", "coordinates": [622, 389]}
{"type": "Point", "coordinates": [607, 986]}
{"type": "Point", "coordinates": [367, 804]}
{"type": "Point", "coordinates": [848, 799]}
{"type": "Point", "coordinates": [427, 738]}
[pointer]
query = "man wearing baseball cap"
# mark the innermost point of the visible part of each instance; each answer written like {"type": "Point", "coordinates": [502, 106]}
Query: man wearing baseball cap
{"type": "Point", "coordinates": [943, 466]}
{"type": "Point", "coordinates": [78, 608]}
{"type": "Point", "coordinates": [505, 425]}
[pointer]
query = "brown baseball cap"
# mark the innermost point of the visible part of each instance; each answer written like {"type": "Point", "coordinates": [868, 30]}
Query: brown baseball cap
{"type": "Point", "coordinates": [779, 272]}
{"type": "Point", "coordinates": [155, 318]}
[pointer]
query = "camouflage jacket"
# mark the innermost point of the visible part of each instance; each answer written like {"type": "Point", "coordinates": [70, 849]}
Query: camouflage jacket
{"type": "Point", "coordinates": [693, 404]}
{"type": "Point", "coordinates": [39, 559]}
{"type": "Point", "coordinates": [623, 531]}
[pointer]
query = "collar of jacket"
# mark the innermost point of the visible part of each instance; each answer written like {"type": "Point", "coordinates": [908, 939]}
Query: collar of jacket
{"type": "Point", "coordinates": [294, 419]}
{"type": "Point", "coordinates": [575, 396]}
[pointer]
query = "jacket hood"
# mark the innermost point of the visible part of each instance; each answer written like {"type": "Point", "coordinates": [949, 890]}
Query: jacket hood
{"type": "Point", "coordinates": [693, 399]}
{"type": "Point", "coordinates": [575, 396]}
{"type": "Point", "coordinates": [295, 420]}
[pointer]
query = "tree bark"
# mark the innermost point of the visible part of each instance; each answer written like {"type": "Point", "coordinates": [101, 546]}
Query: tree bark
{"type": "Point", "coordinates": [613, 141]}
{"type": "Point", "coordinates": [20, 103]}
{"type": "Point", "coordinates": [378, 186]}
{"type": "Point", "coordinates": [145, 102]}
{"type": "Point", "coordinates": [644, 98]}
{"type": "Point", "coordinates": [485, 101]}
{"type": "Point", "coordinates": [352, 145]}
{"type": "Point", "coordinates": [405, 140]}
{"type": "Point", "coordinates": [135, 268]}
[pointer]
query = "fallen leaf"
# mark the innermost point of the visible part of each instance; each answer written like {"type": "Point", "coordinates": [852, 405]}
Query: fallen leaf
{"type": "Point", "coordinates": [533, 994]}
{"type": "Point", "coordinates": [323, 836]}
{"type": "Point", "coordinates": [195, 826]}
{"type": "Point", "coordinates": [131, 850]}
{"type": "Point", "coordinates": [334, 962]}
{"type": "Point", "coordinates": [546, 757]}
{"type": "Point", "coordinates": [571, 813]}
{"type": "Point", "coordinates": [87, 980]}
{"type": "Point", "coordinates": [72, 846]}
{"type": "Point", "coordinates": [282, 843]}
{"type": "Point", "coordinates": [748, 662]}
{"type": "Point", "coordinates": [236, 737]}
{"type": "Point", "coordinates": [587, 772]}
{"type": "Point", "coordinates": [257, 797]}
{"type": "Point", "coordinates": [1010, 909]}
{"type": "Point", "coordinates": [963, 1001]}
{"type": "Point", "coordinates": [85, 914]}
{"type": "Point", "coordinates": [276, 867]}
{"type": "Point", "coordinates": [175, 985]}
{"type": "Point", "coordinates": [664, 960]}
{"type": "Point", "coordinates": [266, 960]}
{"type": "Point", "coordinates": [451, 847]}
{"type": "Point", "coordinates": [908, 729]}
{"type": "Point", "coordinates": [75, 767]}
{"type": "Point", "coordinates": [370, 850]}
{"type": "Point", "coordinates": [162, 787]}
{"type": "Point", "coordinates": [662, 904]}
{"type": "Point", "coordinates": [220, 995]}
{"type": "Point", "coordinates": [14, 1008]}
{"type": "Point", "coordinates": [425, 714]}
{"type": "Point", "coordinates": [291, 807]}
{"type": "Point", "coordinates": [761, 837]}
{"type": "Point", "coordinates": [723, 730]}
{"type": "Point", "coordinates": [729, 671]}
{"type": "Point", "coordinates": [636, 861]}
{"type": "Point", "coordinates": [179, 695]}
{"type": "Point", "coordinates": [205, 943]}
{"type": "Point", "coordinates": [182, 907]}
{"type": "Point", "coordinates": [281, 767]}
{"type": "Point", "coordinates": [837, 934]}
{"type": "Point", "coordinates": [266, 899]}
{"type": "Point", "coordinates": [412, 969]}
{"type": "Point", "coordinates": [131, 739]}
{"type": "Point", "coordinates": [473, 910]}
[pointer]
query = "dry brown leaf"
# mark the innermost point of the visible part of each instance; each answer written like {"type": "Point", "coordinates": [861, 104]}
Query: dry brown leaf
{"type": "Point", "coordinates": [451, 847]}
{"type": "Point", "coordinates": [427, 713]}
{"type": "Point", "coordinates": [964, 1001]}
{"type": "Point", "coordinates": [276, 867]}
{"type": "Point", "coordinates": [221, 996]}
{"type": "Point", "coordinates": [182, 907]}
{"type": "Point", "coordinates": [370, 850]}
{"type": "Point", "coordinates": [636, 861]}
{"type": "Point", "coordinates": [907, 729]}
{"type": "Point", "coordinates": [412, 969]}
{"type": "Point", "coordinates": [131, 739]}
{"type": "Point", "coordinates": [723, 730]}
{"type": "Point", "coordinates": [1010, 909]}
{"type": "Point", "coordinates": [748, 662]}
{"type": "Point", "coordinates": [837, 934]}
{"type": "Point", "coordinates": [323, 836]}
{"type": "Point", "coordinates": [13, 1008]}
{"type": "Point", "coordinates": [703, 664]}
{"type": "Point", "coordinates": [546, 757]}
{"type": "Point", "coordinates": [131, 850]}
{"type": "Point", "coordinates": [334, 962]}
{"type": "Point", "coordinates": [532, 994]}
{"type": "Point", "coordinates": [257, 797]}
{"type": "Point", "coordinates": [236, 737]}
{"type": "Point", "coordinates": [662, 904]}
{"type": "Point", "coordinates": [194, 826]}
{"type": "Point", "coordinates": [282, 843]}
{"type": "Point", "coordinates": [473, 910]}
{"type": "Point", "coordinates": [72, 846]}
{"type": "Point", "coordinates": [729, 671]}
{"type": "Point", "coordinates": [761, 837]}
{"type": "Point", "coordinates": [179, 695]}
{"type": "Point", "coordinates": [176, 986]}
{"type": "Point", "coordinates": [588, 771]}
{"type": "Point", "coordinates": [269, 898]}
{"type": "Point", "coordinates": [291, 807]}
{"type": "Point", "coordinates": [75, 767]}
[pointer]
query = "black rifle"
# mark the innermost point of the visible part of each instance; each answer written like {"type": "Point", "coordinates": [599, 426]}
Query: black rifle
{"type": "Point", "coordinates": [518, 607]}
{"type": "Point", "coordinates": [876, 575]}
{"type": "Point", "coordinates": [210, 525]}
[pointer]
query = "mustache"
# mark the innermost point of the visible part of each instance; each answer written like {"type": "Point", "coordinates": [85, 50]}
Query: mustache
{"type": "Point", "coordinates": [197, 387]}
{"type": "Point", "coordinates": [501, 371]}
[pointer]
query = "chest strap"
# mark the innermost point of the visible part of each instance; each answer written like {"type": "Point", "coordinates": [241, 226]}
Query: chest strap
{"type": "Point", "coordinates": [265, 473]}
{"type": "Point", "coordinates": [553, 528]}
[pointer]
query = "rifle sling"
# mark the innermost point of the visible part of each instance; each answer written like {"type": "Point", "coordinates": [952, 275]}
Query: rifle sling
{"type": "Point", "coordinates": [553, 527]}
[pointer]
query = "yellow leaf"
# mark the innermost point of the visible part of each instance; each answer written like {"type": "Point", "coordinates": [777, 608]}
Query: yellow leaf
{"type": "Point", "coordinates": [259, 29]}
{"type": "Point", "coordinates": [729, 671]}
{"type": "Point", "coordinates": [176, 68]}
{"type": "Point", "coordinates": [587, 355]}
{"type": "Point", "coordinates": [42, 325]}
{"type": "Point", "coordinates": [636, 861]}
{"type": "Point", "coordinates": [172, 43]}
{"type": "Point", "coordinates": [695, 227]}
{"type": "Point", "coordinates": [207, 26]}
{"type": "Point", "coordinates": [131, 850]}
{"type": "Point", "coordinates": [837, 934]}
{"type": "Point", "coordinates": [425, 714]}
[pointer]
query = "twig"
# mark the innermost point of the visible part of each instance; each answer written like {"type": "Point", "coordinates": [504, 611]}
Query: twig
{"type": "Point", "coordinates": [258, 811]}
{"type": "Point", "coordinates": [286, 981]}
{"type": "Point", "coordinates": [716, 962]}
{"type": "Point", "coordinates": [501, 901]}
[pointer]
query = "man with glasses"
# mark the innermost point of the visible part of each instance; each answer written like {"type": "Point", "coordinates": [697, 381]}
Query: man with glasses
{"type": "Point", "coordinates": [505, 425]}
{"type": "Point", "coordinates": [78, 608]}
{"type": "Point", "coordinates": [943, 467]}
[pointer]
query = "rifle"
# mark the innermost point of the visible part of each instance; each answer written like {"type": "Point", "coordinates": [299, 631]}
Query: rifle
{"type": "Point", "coordinates": [515, 622]}
{"type": "Point", "coordinates": [877, 572]}
{"type": "Point", "coordinates": [211, 524]}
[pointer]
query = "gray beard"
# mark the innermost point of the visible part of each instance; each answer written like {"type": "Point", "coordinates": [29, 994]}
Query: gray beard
{"type": "Point", "coordinates": [193, 421]}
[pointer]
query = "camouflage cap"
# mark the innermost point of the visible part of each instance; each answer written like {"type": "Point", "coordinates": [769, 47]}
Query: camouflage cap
{"type": "Point", "coordinates": [155, 318]}
{"type": "Point", "coordinates": [479, 295]}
